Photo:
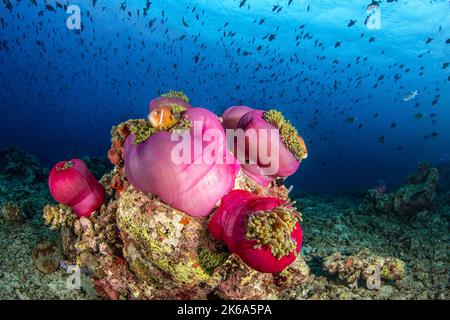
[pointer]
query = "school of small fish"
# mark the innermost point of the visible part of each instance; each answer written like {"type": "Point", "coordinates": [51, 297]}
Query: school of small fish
{"type": "Point", "coordinates": [128, 51]}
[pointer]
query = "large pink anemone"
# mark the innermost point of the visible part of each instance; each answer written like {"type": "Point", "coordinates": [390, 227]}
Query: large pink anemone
{"type": "Point", "coordinates": [285, 152]}
{"type": "Point", "coordinates": [192, 179]}
{"type": "Point", "coordinates": [263, 231]}
{"type": "Point", "coordinates": [71, 183]}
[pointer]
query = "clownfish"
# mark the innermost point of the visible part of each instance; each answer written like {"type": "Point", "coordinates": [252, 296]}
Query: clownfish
{"type": "Point", "coordinates": [162, 118]}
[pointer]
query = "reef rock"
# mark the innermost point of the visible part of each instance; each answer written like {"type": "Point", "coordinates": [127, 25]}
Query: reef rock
{"type": "Point", "coordinates": [138, 247]}
{"type": "Point", "coordinates": [46, 257]}
{"type": "Point", "coordinates": [416, 195]}
{"type": "Point", "coordinates": [162, 244]}
{"type": "Point", "coordinates": [175, 253]}
{"type": "Point", "coordinates": [363, 267]}
{"type": "Point", "coordinates": [14, 162]}
{"type": "Point", "coordinates": [444, 175]}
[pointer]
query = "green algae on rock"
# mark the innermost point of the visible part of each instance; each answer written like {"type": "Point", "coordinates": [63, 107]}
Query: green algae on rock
{"type": "Point", "coordinates": [209, 261]}
{"type": "Point", "coordinates": [293, 276]}
{"type": "Point", "coordinates": [158, 236]}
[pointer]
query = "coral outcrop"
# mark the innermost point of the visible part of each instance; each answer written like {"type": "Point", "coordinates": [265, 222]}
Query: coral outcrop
{"type": "Point", "coordinates": [58, 216]}
{"type": "Point", "coordinates": [138, 247]}
{"type": "Point", "coordinates": [163, 245]}
{"type": "Point", "coordinates": [418, 194]}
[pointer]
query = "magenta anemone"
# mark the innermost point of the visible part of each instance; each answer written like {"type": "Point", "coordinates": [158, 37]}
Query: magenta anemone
{"type": "Point", "coordinates": [183, 178]}
{"type": "Point", "coordinates": [71, 183]}
{"type": "Point", "coordinates": [263, 231]}
{"type": "Point", "coordinates": [291, 147]}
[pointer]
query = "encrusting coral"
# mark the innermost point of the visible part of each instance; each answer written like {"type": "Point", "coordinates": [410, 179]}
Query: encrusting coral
{"type": "Point", "coordinates": [58, 216]}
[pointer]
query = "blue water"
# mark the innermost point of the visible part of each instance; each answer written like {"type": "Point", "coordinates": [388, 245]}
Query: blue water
{"type": "Point", "coordinates": [62, 90]}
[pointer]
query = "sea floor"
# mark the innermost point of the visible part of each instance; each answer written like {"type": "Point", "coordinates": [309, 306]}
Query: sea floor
{"type": "Point", "coordinates": [333, 225]}
{"type": "Point", "coordinates": [330, 225]}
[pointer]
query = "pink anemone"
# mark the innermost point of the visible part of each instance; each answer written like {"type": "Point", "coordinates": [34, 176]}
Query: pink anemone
{"type": "Point", "coordinates": [263, 231]}
{"type": "Point", "coordinates": [71, 183]}
{"type": "Point", "coordinates": [184, 178]}
{"type": "Point", "coordinates": [289, 144]}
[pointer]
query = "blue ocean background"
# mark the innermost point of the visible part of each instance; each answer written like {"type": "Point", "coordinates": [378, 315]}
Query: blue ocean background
{"type": "Point", "coordinates": [62, 90]}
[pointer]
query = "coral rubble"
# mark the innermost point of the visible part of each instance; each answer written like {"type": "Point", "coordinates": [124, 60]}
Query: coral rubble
{"type": "Point", "coordinates": [363, 266]}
